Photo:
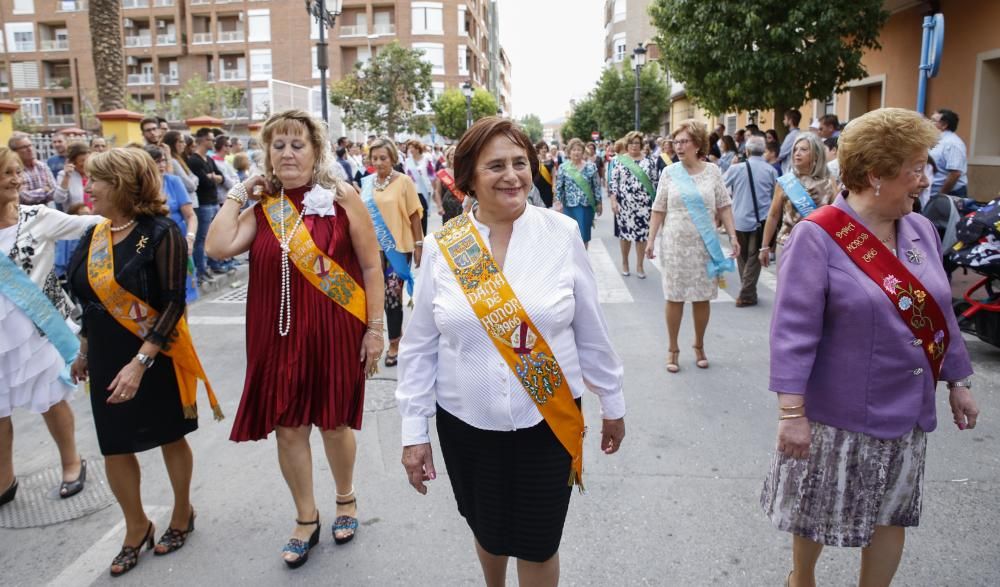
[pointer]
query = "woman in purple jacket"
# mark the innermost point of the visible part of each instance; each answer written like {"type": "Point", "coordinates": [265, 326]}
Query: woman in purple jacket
{"type": "Point", "coordinates": [861, 285]}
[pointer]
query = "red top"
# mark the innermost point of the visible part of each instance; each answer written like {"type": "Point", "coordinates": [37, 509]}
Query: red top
{"type": "Point", "coordinates": [313, 375]}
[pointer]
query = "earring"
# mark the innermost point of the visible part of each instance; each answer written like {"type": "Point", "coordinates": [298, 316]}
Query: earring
{"type": "Point", "coordinates": [878, 187]}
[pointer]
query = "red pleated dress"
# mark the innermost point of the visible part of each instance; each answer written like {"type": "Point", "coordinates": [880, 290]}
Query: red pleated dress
{"type": "Point", "coordinates": [313, 375]}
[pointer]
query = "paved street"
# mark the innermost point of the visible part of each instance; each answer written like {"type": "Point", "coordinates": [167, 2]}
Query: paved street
{"type": "Point", "coordinates": [677, 506]}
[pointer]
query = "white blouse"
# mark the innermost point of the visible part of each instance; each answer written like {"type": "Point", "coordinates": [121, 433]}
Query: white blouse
{"type": "Point", "coordinates": [447, 358]}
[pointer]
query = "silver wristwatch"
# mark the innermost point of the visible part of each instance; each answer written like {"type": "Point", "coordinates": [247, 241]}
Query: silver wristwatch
{"type": "Point", "coordinates": [966, 383]}
{"type": "Point", "coordinates": [145, 360]}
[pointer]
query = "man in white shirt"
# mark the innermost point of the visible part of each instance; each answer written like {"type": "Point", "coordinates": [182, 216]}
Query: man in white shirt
{"type": "Point", "coordinates": [792, 119]}
{"type": "Point", "coordinates": [949, 156]}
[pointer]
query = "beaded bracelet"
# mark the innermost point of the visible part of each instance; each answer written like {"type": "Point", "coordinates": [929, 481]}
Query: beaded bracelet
{"type": "Point", "coordinates": [238, 194]}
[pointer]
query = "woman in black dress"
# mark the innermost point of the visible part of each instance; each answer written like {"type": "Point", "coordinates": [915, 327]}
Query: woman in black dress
{"type": "Point", "coordinates": [135, 396]}
{"type": "Point", "coordinates": [448, 203]}
{"type": "Point", "coordinates": [544, 180]}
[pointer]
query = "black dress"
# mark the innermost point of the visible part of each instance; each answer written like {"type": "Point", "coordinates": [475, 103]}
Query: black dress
{"type": "Point", "coordinates": [151, 264]}
{"type": "Point", "coordinates": [544, 187]}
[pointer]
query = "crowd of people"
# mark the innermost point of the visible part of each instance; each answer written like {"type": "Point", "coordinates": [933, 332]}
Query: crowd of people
{"type": "Point", "coordinates": [103, 248]}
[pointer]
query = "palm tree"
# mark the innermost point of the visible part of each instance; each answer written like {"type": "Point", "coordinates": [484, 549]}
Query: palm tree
{"type": "Point", "coordinates": [109, 55]}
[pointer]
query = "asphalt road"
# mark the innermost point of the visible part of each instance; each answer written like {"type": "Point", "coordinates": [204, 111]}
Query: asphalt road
{"type": "Point", "coordinates": [678, 505]}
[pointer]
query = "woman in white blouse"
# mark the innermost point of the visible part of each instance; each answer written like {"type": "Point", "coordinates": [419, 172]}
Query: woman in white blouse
{"type": "Point", "coordinates": [506, 452]}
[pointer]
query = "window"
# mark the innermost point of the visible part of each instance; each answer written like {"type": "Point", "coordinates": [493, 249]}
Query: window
{"type": "Point", "coordinates": [315, 62]}
{"type": "Point", "coordinates": [364, 55]}
{"type": "Point", "coordinates": [620, 47]}
{"type": "Point", "coordinates": [463, 29]}
{"type": "Point", "coordinates": [24, 75]}
{"type": "Point", "coordinates": [24, 7]}
{"type": "Point", "coordinates": [463, 60]}
{"type": "Point", "coordinates": [730, 124]}
{"type": "Point", "coordinates": [259, 25]}
{"type": "Point", "coordinates": [20, 37]}
{"type": "Point", "coordinates": [427, 18]}
{"type": "Point", "coordinates": [32, 108]}
{"type": "Point", "coordinates": [437, 88]}
{"type": "Point", "coordinates": [260, 64]}
{"type": "Point", "coordinates": [619, 10]}
{"type": "Point", "coordinates": [985, 143]}
{"type": "Point", "coordinates": [261, 101]}
{"type": "Point", "coordinates": [316, 101]}
{"type": "Point", "coordinates": [433, 54]}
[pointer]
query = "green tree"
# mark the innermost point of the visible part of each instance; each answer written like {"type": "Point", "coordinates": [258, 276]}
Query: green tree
{"type": "Point", "coordinates": [582, 121]}
{"type": "Point", "coordinates": [449, 110]}
{"type": "Point", "coordinates": [614, 99]}
{"type": "Point", "coordinates": [389, 94]}
{"type": "Point", "coordinates": [532, 126]}
{"type": "Point", "coordinates": [765, 54]}
{"type": "Point", "coordinates": [200, 98]}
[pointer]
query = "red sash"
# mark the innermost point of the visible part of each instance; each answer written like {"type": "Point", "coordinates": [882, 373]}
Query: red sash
{"type": "Point", "coordinates": [915, 306]}
{"type": "Point", "coordinates": [449, 182]}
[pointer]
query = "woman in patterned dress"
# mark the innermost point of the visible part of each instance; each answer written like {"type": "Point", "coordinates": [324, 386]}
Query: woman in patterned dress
{"type": "Point", "coordinates": [575, 202]}
{"type": "Point", "coordinates": [684, 255]}
{"type": "Point", "coordinates": [630, 202]}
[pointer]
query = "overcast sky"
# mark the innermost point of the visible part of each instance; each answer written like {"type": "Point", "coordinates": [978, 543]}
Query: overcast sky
{"type": "Point", "coordinates": [556, 49]}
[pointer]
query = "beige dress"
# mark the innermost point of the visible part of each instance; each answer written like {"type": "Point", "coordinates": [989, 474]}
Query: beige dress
{"type": "Point", "coordinates": [682, 253]}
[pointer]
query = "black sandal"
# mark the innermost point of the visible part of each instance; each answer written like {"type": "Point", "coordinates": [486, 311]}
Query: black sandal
{"type": "Point", "coordinates": [71, 488]}
{"type": "Point", "coordinates": [8, 495]}
{"type": "Point", "coordinates": [128, 558]}
{"type": "Point", "coordinates": [174, 539]}
{"type": "Point", "coordinates": [300, 548]}
{"type": "Point", "coordinates": [345, 523]}
{"type": "Point", "coordinates": [391, 360]}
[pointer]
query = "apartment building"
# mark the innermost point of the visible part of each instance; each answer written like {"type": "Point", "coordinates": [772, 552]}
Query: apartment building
{"type": "Point", "coordinates": [626, 24]}
{"type": "Point", "coordinates": [46, 63]}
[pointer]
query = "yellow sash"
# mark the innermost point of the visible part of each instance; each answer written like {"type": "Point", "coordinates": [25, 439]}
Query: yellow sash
{"type": "Point", "coordinates": [516, 338]}
{"type": "Point", "coordinates": [321, 271]}
{"type": "Point", "coordinates": [136, 316]}
{"type": "Point", "coordinates": [546, 174]}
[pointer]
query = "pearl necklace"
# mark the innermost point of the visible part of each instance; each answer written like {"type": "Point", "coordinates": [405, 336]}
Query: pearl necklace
{"type": "Point", "coordinates": [381, 186]}
{"type": "Point", "coordinates": [285, 305]}
{"type": "Point", "coordinates": [123, 226]}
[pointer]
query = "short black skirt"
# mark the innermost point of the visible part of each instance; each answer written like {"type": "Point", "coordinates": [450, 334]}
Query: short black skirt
{"type": "Point", "coordinates": [511, 487]}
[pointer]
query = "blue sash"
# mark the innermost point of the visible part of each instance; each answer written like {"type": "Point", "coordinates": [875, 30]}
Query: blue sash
{"type": "Point", "coordinates": [16, 285]}
{"type": "Point", "coordinates": [718, 262]}
{"type": "Point", "coordinates": [797, 194]}
{"type": "Point", "coordinates": [396, 259]}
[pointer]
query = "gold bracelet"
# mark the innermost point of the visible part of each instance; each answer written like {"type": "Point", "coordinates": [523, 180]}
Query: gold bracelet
{"type": "Point", "coordinates": [790, 408]}
{"type": "Point", "coordinates": [791, 416]}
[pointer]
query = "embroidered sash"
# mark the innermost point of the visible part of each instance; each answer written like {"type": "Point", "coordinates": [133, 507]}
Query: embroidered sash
{"type": "Point", "coordinates": [138, 318]}
{"type": "Point", "coordinates": [797, 194]}
{"type": "Point", "coordinates": [321, 271]}
{"type": "Point", "coordinates": [915, 306]}
{"type": "Point", "coordinates": [718, 262]}
{"type": "Point", "coordinates": [545, 173]}
{"type": "Point", "coordinates": [397, 260]}
{"type": "Point", "coordinates": [639, 174]}
{"type": "Point", "coordinates": [515, 336]}
{"type": "Point", "coordinates": [449, 182]}
{"type": "Point", "coordinates": [26, 295]}
{"type": "Point", "coordinates": [581, 182]}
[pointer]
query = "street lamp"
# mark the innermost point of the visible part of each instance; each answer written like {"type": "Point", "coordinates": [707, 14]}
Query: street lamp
{"type": "Point", "coordinates": [639, 54]}
{"type": "Point", "coordinates": [325, 18]}
{"type": "Point", "coordinates": [467, 92]}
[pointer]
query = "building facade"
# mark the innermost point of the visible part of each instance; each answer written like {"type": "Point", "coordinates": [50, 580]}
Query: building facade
{"type": "Point", "coordinates": [626, 25]}
{"type": "Point", "coordinates": [46, 64]}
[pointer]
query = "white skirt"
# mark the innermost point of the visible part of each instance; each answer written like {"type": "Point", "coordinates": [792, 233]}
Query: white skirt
{"type": "Point", "coordinates": [30, 365]}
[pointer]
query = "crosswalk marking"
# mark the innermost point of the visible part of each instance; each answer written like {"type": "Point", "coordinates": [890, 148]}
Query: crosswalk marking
{"type": "Point", "coordinates": [611, 288]}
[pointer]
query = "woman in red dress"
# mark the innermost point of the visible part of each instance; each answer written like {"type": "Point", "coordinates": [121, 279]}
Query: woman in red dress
{"type": "Point", "coordinates": [315, 279]}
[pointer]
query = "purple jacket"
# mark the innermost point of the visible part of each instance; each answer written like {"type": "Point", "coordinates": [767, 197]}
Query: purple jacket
{"type": "Point", "coordinates": [837, 339]}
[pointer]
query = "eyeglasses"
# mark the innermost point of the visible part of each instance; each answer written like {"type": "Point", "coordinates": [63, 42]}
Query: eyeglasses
{"type": "Point", "coordinates": [23, 147]}
{"type": "Point", "coordinates": [680, 143]}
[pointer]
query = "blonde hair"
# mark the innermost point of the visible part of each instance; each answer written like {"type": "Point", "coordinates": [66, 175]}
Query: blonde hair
{"type": "Point", "coordinates": [135, 179]}
{"type": "Point", "coordinates": [449, 156]}
{"type": "Point", "coordinates": [8, 156]}
{"type": "Point", "coordinates": [619, 146]}
{"type": "Point", "coordinates": [696, 130]}
{"type": "Point", "coordinates": [879, 143]}
{"type": "Point", "coordinates": [300, 122]}
{"type": "Point", "coordinates": [819, 169]}
{"type": "Point", "coordinates": [387, 144]}
{"type": "Point", "coordinates": [575, 143]}
{"type": "Point", "coordinates": [633, 136]}
{"type": "Point", "coordinates": [241, 161]}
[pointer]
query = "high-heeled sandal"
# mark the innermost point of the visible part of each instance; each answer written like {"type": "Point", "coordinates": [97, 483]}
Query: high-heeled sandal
{"type": "Point", "coordinates": [71, 488]}
{"type": "Point", "coordinates": [174, 539]}
{"type": "Point", "coordinates": [8, 495]}
{"type": "Point", "coordinates": [701, 361]}
{"type": "Point", "coordinates": [672, 366]}
{"type": "Point", "coordinates": [345, 523]}
{"type": "Point", "coordinates": [300, 548]}
{"type": "Point", "coordinates": [391, 360]}
{"type": "Point", "coordinates": [128, 558]}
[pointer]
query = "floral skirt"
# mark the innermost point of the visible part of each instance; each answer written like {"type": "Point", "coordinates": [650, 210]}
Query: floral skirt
{"type": "Point", "coordinates": [850, 483]}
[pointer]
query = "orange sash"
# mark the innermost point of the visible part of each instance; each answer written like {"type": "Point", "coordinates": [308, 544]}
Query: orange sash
{"type": "Point", "coordinates": [516, 338]}
{"type": "Point", "coordinates": [321, 271]}
{"type": "Point", "coordinates": [449, 182]}
{"type": "Point", "coordinates": [138, 318]}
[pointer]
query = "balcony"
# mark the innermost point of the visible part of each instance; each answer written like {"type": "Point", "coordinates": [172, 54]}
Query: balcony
{"type": "Point", "coordinates": [201, 38]}
{"type": "Point", "coordinates": [353, 30]}
{"type": "Point", "coordinates": [232, 75]}
{"type": "Point", "coordinates": [55, 44]}
{"type": "Point", "coordinates": [167, 39]}
{"type": "Point", "coordinates": [135, 4]}
{"type": "Point", "coordinates": [228, 1]}
{"type": "Point", "coordinates": [71, 6]}
{"type": "Point", "coordinates": [140, 79]}
{"type": "Point", "coordinates": [58, 83]}
{"type": "Point", "coordinates": [139, 41]}
{"type": "Point", "coordinates": [24, 46]}
{"type": "Point", "coordinates": [163, 3]}
{"type": "Point", "coordinates": [230, 37]}
{"type": "Point", "coordinates": [200, 2]}
{"type": "Point", "coordinates": [384, 29]}
{"type": "Point", "coordinates": [62, 119]}
{"type": "Point", "coordinates": [168, 80]}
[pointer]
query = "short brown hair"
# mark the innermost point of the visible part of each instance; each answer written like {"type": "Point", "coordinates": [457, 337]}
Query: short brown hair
{"type": "Point", "coordinates": [389, 145]}
{"type": "Point", "coordinates": [696, 130]}
{"type": "Point", "coordinates": [476, 138]}
{"type": "Point", "coordinates": [136, 180]}
{"type": "Point", "coordinates": [241, 161]}
{"type": "Point", "coordinates": [149, 120]}
{"type": "Point", "coordinates": [299, 121]}
{"type": "Point", "coordinates": [573, 143]}
{"type": "Point", "coordinates": [879, 142]}
{"type": "Point", "coordinates": [75, 150]}
{"type": "Point", "coordinates": [632, 137]}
